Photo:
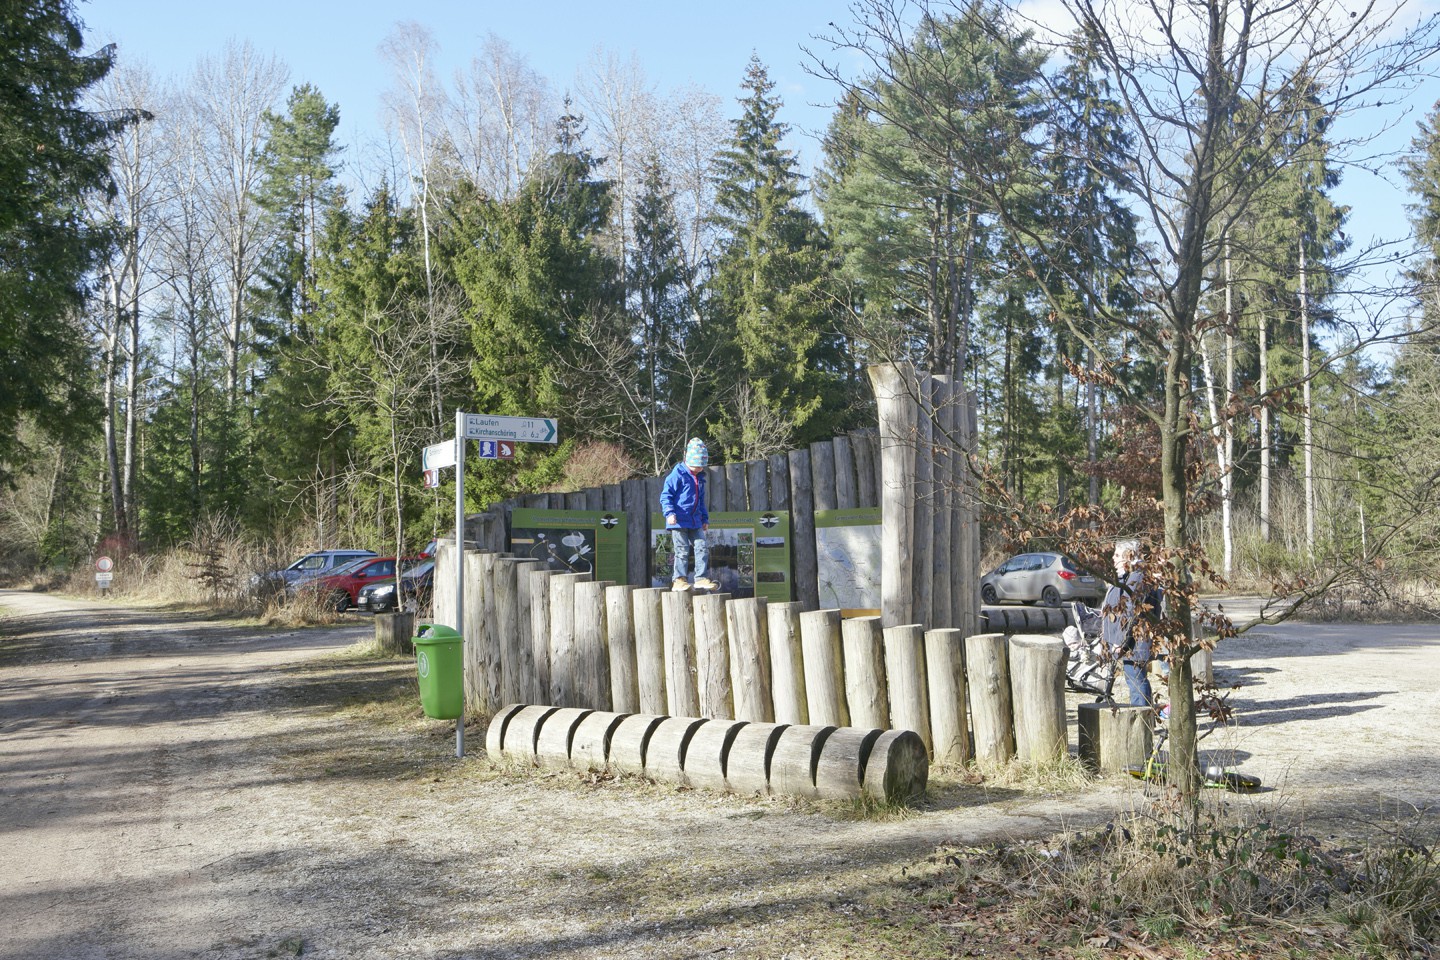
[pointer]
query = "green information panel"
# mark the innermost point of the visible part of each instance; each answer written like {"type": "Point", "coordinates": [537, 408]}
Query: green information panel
{"type": "Point", "coordinates": [847, 554]}
{"type": "Point", "coordinates": [749, 553]}
{"type": "Point", "coordinates": [572, 541]}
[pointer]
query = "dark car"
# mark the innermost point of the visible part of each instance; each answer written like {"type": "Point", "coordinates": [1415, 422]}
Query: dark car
{"type": "Point", "coordinates": [1048, 578]}
{"type": "Point", "coordinates": [416, 584]}
{"type": "Point", "coordinates": [343, 587]}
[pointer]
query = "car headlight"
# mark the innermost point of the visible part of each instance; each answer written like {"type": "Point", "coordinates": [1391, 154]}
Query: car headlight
{"type": "Point", "coordinates": [385, 591]}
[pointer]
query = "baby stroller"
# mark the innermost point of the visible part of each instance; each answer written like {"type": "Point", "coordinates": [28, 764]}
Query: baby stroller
{"type": "Point", "coordinates": [1091, 667]}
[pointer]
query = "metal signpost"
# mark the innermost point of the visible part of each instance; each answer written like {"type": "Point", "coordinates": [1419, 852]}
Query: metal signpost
{"type": "Point", "coordinates": [104, 573]}
{"type": "Point", "coordinates": [497, 436]}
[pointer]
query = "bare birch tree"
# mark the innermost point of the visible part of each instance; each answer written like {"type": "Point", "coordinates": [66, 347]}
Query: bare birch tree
{"type": "Point", "coordinates": [133, 210]}
{"type": "Point", "coordinates": [500, 119]}
{"type": "Point", "coordinates": [231, 95]}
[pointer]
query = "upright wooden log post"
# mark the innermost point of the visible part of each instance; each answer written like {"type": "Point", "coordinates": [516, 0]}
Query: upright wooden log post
{"type": "Point", "coordinates": [942, 483]}
{"type": "Point", "coordinates": [650, 650]}
{"type": "Point", "coordinates": [716, 487]}
{"type": "Point", "coordinates": [865, 692]}
{"type": "Point", "coordinates": [862, 445]}
{"type": "Point", "coordinates": [506, 627]}
{"type": "Point", "coordinates": [712, 656]}
{"type": "Point", "coordinates": [987, 669]}
{"type": "Point", "coordinates": [1037, 680]}
{"type": "Point", "coordinates": [485, 679]}
{"type": "Point", "coordinates": [620, 622]}
{"type": "Point", "coordinates": [682, 697]}
{"type": "Point", "coordinates": [538, 686]}
{"type": "Point", "coordinates": [923, 559]}
{"type": "Point", "coordinates": [394, 633]}
{"type": "Point", "coordinates": [757, 484]}
{"type": "Point", "coordinates": [845, 496]}
{"type": "Point", "coordinates": [945, 677]}
{"type": "Point", "coordinates": [483, 601]}
{"type": "Point", "coordinates": [443, 596]}
{"type": "Point", "coordinates": [637, 530]}
{"type": "Point", "coordinates": [822, 474]}
{"type": "Point", "coordinates": [905, 680]}
{"type": "Point", "coordinates": [524, 632]}
{"type": "Point", "coordinates": [750, 659]}
{"type": "Point", "coordinates": [894, 386]}
{"type": "Point", "coordinates": [592, 644]}
{"type": "Point", "coordinates": [564, 665]}
{"type": "Point", "coordinates": [824, 668]}
{"type": "Point", "coordinates": [787, 664]}
{"type": "Point", "coordinates": [802, 530]}
{"type": "Point", "coordinates": [737, 498]}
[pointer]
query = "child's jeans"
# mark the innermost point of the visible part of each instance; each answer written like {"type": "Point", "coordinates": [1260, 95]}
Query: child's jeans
{"type": "Point", "coordinates": [683, 542]}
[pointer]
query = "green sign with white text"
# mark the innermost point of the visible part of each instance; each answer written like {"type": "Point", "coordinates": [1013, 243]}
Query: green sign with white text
{"type": "Point", "coordinates": [572, 541]}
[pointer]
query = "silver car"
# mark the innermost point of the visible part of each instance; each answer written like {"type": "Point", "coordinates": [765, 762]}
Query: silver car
{"type": "Point", "coordinates": [1048, 578]}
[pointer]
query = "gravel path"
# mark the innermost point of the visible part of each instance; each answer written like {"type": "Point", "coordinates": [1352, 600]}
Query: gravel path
{"type": "Point", "coordinates": [176, 788]}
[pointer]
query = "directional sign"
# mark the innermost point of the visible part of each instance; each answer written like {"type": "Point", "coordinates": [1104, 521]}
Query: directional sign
{"type": "Point", "coordinates": [440, 455]}
{"type": "Point", "coordinates": [480, 426]}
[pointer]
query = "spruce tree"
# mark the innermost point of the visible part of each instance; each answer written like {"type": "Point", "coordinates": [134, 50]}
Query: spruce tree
{"type": "Point", "coordinates": [52, 153]}
{"type": "Point", "coordinates": [763, 306]}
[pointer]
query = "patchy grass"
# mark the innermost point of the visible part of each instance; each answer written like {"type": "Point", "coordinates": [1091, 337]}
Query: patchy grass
{"type": "Point", "coordinates": [1176, 886]}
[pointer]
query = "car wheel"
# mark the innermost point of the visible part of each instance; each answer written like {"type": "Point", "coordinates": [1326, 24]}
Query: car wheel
{"type": "Point", "coordinates": [342, 602]}
{"type": "Point", "coordinates": [988, 594]}
{"type": "Point", "coordinates": [1050, 597]}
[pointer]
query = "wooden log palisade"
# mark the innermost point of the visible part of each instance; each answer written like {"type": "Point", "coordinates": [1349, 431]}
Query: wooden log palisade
{"type": "Point", "coordinates": [592, 645]}
{"type": "Point", "coordinates": [647, 668]}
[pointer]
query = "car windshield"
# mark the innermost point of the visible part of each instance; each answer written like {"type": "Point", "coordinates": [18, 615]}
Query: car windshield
{"type": "Point", "coordinates": [419, 569]}
{"type": "Point", "coordinates": [350, 566]}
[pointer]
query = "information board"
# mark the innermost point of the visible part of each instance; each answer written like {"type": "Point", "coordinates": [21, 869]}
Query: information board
{"type": "Point", "coordinates": [749, 554]}
{"type": "Point", "coordinates": [572, 541]}
{"type": "Point", "coordinates": [847, 555]}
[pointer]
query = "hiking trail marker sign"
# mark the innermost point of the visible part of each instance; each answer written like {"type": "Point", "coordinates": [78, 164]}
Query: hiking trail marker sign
{"type": "Point", "coordinates": [497, 436]}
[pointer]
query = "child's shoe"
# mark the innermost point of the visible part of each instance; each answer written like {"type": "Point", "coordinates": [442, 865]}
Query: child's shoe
{"type": "Point", "coordinates": [680, 584]}
{"type": "Point", "coordinates": [705, 583]}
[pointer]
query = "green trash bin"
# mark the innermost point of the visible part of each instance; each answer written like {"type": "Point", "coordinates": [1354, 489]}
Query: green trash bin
{"type": "Point", "coordinates": [440, 662]}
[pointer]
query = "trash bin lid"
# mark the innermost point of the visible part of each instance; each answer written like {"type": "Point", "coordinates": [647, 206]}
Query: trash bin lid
{"type": "Point", "coordinates": [437, 633]}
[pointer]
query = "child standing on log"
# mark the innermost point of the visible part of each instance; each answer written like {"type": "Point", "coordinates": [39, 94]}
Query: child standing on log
{"type": "Point", "coordinates": [682, 501]}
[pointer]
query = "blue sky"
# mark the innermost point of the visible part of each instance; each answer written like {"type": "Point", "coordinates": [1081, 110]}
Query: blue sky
{"type": "Point", "coordinates": [334, 45]}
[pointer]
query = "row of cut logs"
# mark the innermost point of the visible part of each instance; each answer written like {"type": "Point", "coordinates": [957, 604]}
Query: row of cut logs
{"type": "Point", "coordinates": [747, 758]}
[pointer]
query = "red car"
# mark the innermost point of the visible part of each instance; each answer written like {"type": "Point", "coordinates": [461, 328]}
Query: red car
{"type": "Point", "coordinates": [344, 585]}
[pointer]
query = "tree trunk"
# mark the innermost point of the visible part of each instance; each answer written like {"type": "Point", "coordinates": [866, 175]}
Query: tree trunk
{"type": "Point", "coordinates": [1306, 411]}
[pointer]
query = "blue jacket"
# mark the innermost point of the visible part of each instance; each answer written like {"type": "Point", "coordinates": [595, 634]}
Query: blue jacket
{"type": "Point", "coordinates": [683, 494]}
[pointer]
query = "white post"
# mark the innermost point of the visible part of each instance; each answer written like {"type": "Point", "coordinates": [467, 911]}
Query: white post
{"type": "Point", "coordinates": [460, 552]}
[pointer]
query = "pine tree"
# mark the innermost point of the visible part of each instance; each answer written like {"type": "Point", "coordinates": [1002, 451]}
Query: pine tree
{"type": "Point", "coordinates": [299, 167]}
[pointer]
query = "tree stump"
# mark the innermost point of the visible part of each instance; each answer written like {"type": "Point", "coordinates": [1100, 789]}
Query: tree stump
{"type": "Point", "coordinates": [395, 633]}
{"type": "Point", "coordinates": [988, 680]}
{"type": "Point", "coordinates": [865, 693]}
{"type": "Point", "coordinates": [1113, 737]}
{"type": "Point", "coordinates": [1037, 683]}
{"type": "Point", "coordinates": [945, 677]}
{"type": "Point", "coordinates": [787, 665]}
{"type": "Point", "coordinates": [824, 673]}
{"type": "Point", "coordinates": [712, 656]}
